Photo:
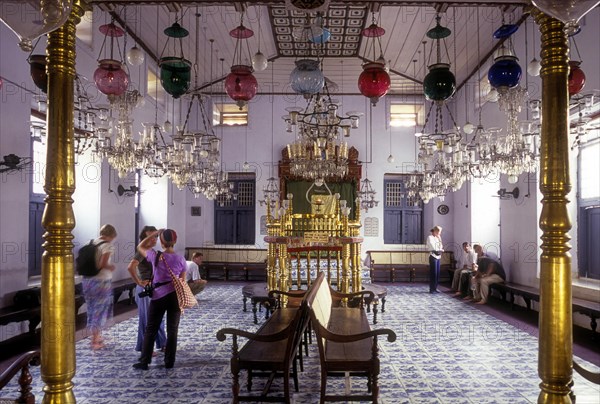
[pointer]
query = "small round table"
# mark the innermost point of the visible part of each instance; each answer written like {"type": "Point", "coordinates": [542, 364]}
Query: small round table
{"type": "Point", "coordinates": [380, 295]}
{"type": "Point", "coordinates": [259, 296]}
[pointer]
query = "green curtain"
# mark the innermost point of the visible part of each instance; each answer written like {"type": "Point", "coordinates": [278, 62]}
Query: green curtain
{"type": "Point", "coordinates": [347, 191]}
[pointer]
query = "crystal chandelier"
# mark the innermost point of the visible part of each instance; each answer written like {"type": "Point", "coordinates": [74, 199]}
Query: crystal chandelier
{"type": "Point", "coordinates": [585, 105]}
{"type": "Point", "coordinates": [120, 152]}
{"type": "Point", "coordinates": [270, 194]}
{"type": "Point", "coordinates": [366, 195]}
{"type": "Point", "coordinates": [318, 151]}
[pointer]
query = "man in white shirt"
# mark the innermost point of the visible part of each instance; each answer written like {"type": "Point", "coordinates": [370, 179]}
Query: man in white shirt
{"type": "Point", "coordinates": [196, 283]}
{"type": "Point", "coordinates": [466, 265]}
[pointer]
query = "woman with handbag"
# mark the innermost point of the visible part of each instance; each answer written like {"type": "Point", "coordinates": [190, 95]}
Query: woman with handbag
{"type": "Point", "coordinates": [164, 299]}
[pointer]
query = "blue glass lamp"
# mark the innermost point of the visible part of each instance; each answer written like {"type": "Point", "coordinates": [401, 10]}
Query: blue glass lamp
{"type": "Point", "coordinates": [307, 78]}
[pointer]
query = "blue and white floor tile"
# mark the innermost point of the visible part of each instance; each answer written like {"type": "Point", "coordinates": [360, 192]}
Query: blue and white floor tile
{"type": "Point", "coordinates": [446, 352]}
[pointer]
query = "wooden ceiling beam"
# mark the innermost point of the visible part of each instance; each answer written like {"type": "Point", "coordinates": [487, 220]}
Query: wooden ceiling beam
{"type": "Point", "coordinates": [505, 4]}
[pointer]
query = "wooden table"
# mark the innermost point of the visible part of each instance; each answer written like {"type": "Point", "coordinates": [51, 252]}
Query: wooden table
{"type": "Point", "coordinates": [380, 295]}
{"type": "Point", "coordinates": [258, 295]}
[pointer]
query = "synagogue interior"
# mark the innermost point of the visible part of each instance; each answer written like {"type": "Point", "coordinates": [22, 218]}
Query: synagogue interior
{"type": "Point", "coordinates": [304, 153]}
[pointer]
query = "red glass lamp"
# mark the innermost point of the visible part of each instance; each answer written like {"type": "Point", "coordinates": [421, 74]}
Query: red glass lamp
{"type": "Point", "coordinates": [374, 82]}
{"type": "Point", "coordinates": [241, 85]}
{"type": "Point", "coordinates": [576, 78]}
{"type": "Point", "coordinates": [110, 78]}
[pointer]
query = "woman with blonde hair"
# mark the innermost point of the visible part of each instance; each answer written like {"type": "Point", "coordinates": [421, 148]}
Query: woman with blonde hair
{"type": "Point", "coordinates": [97, 289]}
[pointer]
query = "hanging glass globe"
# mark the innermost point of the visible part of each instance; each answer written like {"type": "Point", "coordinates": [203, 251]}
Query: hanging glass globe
{"type": "Point", "coordinates": [110, 78]}
{"type": "Point", "coordinates": [468, 128]}
{"type": "Point", "coordinates": [307, 78]}
{"type": "Point", "coordinates": [37, 70]}
{"type": "Point", "coordinates": [135, 56]}
{"type": "Point", "coordinates": [391, 159]}
{"type": "Point", "coordinates": [576, 78]}
{"type": "Point", "coordinates": [175, 75]}
{"type": "Point", "coordinates": [505, 72]}
{"type": "Point", "coordinates": [439, 84]}
{"type": "Point", "coordinates": [241, 85]}
{"type": "Point", "coordinates": [259, 62]}
{"type": "Point", "coordinates": [534, 67]}
{"type": "Point", "coordinates": [374, 82]}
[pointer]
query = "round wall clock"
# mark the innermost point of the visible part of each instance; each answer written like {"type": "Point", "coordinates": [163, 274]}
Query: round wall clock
{"type": "Point", "coordinates": [443, 209]}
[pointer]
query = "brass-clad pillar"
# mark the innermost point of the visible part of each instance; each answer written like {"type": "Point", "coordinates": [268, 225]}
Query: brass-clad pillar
{"type": "Point", "coordinates": [58, 283]}
{"type": "Point", "coordinates": [555, 365]}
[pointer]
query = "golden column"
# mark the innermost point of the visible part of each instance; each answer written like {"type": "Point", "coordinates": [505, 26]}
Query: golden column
{"type": "Point", "coordinates": [58, 283]}
{"type": "Point", "coordinates": [556, 339]}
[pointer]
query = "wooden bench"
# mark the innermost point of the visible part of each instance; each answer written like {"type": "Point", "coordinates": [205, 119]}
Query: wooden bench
{"type": "Point", "coordinates": [21, 365]}
{"type": "Point", "coordinates": [347, 345]}
{"type": "Point", "coordinates": [26, 307]}
{"type": "Point", "coordinates": [123, 285]}
{"type": "Point", "coordinates": [247, 264]}
{"type": "Point", "coordinates": [392, 266]}
{"type": "Point", "coordinates": [271, 351]}
{"type": "Point", "coordinates": [508, 291]}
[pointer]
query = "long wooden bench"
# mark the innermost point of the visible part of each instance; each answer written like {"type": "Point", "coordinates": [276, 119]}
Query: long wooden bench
{"type": "Point", "coordinates": [271, 351]}
{"type": "Point", "coordinates": [347, 345]}
{"type": "Point", "coordinates": [20, 365]}
{"type": "Point", "coordinates": [508, 291]}
{"type": "Point", "coordinates": [26, 307]}
{"type": "Point", "coordinates": [247, 264]}
{"type": "Point", "coordinates": [408, 265]}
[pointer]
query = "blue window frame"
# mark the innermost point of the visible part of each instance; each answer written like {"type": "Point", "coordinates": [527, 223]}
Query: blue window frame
{"type": "Point", "coordinates": [402, 213]}
{"type": "Point", "coordinates": [235, 216]}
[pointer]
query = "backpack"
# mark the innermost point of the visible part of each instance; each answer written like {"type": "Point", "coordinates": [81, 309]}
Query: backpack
{"type": "Point", "coordinates": [85, 263]}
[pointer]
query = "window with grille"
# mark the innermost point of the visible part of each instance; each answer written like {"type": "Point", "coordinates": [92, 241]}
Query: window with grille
{"type": "Point", "coordinates": [235, 215]}
{"type": "Point", "coordinates": [403, 214]}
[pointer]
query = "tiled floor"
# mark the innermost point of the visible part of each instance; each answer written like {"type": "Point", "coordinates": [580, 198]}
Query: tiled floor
{"type": "Point", "coordinates": [446, 352]}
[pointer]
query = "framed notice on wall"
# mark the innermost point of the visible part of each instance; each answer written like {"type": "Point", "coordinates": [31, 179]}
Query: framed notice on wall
{"type": "Point", "coordinates": [196, 211]}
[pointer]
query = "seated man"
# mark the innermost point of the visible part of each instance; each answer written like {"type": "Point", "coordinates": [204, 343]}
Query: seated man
{"type": "Point", "coordinates": [489, 271]}
{"type": "Point", "coordinates": [196, 283]}
{"type": "Point", "coordinates": [466, 265]}
{"type": "Point", "coordinates": [480, 253]}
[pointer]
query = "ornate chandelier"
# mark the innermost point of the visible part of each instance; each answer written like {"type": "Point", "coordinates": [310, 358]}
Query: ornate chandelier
{"type": "Point", "coordinates": [318, 152]}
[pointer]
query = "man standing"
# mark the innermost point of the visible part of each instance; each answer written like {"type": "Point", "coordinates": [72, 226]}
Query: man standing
{"type": "Point", "coordinates": [196, 283]}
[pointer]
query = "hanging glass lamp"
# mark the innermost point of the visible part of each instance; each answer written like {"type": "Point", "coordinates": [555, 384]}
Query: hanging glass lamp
{"type": "Point", "coordinates": [37, 70]}
{"type": "Point", "coordinates": [440, 83]}
{"type": "Point", "coordinates": [175, 71]}
{"type": "Point", "coordinates": [110, 78]}
{"type": "Point", "coordinates": [307, 78]}
{"type": "Point", "coordinates": [31, 19]}
{"type": "Point", "coordinates": [374, 82]}
{"type": "Point", "coordinates": [505, 72]}
{"type": "Point", "coordinates": [576, 77]}
{"type": "Point", "coordinates": [241, 85]}
{"type": "Point", "coordinates": [175, 75]}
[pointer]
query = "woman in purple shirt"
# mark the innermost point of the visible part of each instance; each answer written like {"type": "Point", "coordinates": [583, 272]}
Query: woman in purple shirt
{"type": "Point", "coordinates": [164, 298]}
